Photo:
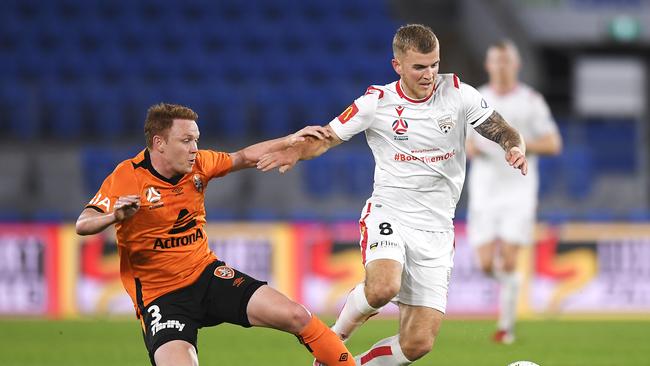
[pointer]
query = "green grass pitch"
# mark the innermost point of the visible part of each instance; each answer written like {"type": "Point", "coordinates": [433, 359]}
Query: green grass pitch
{"type": "Point", "coordinates": [461, 342]}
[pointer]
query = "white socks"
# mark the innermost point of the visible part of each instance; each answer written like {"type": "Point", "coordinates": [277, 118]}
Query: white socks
{"type": "Point", "coordinates": [509, 292]}
{"type": "Point", "coordinates": [354, 313]}
{"type": "Point", "coordinates": [386, 352]}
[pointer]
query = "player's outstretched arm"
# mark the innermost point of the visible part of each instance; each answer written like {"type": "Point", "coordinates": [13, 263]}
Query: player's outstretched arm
{"type": "Point", "coordinates": [249, 156]}
{"type": "Point", "coordinates": [495, 128]}
{"type": "Point", "coordinates": [307, 149]}
{"type": "Point", "coordinates": [92, 222]}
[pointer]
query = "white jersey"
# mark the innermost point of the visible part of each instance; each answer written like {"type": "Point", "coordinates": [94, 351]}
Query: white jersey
{"type": "Point", "coordinates": [493, 184]}
{"type": "Point", "coordinates": [418, 146]}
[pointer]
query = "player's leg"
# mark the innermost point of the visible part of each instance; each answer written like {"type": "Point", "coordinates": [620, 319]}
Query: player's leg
{"type": "Point", "coordinates": [516, 230]}
{"type": "Point", "coordinates": [381, 284]}
{"type": "Point", "coordinates": [485, 253]}
{"type": "Point", "coordinates": [382, 249]}
{"type": "Point", "coordinates": [170, 330]}
{"type": "Point", "coordinates": [268, 307]}
{"type": "Point", "coordinates": [176, 353]}
{"type": "Point", "coordinates": [509, 291]}
{"type": "Point", "coordinates": [422, 299]}
{"type": "Point", "coordinates": [419, 327]}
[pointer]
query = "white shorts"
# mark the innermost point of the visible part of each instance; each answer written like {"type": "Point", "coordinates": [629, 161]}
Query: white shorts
{"type": "Point", "coordinates": [511, 226]}
{"type": "Point", "coordinates": [427, 257]}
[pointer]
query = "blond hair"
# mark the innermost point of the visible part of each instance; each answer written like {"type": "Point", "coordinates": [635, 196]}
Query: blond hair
{"type": "Point", "coordinates": [416, 37]}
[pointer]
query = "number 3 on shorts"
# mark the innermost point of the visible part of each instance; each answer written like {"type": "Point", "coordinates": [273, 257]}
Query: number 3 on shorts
{"type": "Point", "coordinates": [385, 229]}
{"type": "Point", "coordinates": [155, 312]}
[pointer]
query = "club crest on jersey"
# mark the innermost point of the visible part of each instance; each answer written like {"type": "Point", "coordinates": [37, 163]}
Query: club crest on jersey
{"type": "Point", "coordinates": [198, 183]}
{"type": "Point", "coordinates": [224, 272]}
{"type": "Point", "coordinates": [446, 123]}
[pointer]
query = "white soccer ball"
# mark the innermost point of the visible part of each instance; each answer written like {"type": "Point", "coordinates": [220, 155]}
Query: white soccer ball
{"type": "Point", "coordinates": [523, 363]}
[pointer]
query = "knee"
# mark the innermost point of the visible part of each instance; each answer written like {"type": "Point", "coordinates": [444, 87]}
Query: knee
{"type": "Point", "coordinates": [380, 295]}
{"type": "Point", "coordinates": [296, 318]}
{"type": "Point", "coordinates": [416, 348]}
{"type": "Point", "coordinates": [509, 266]}
{"type": "Point", "coordinates": [487, 268]}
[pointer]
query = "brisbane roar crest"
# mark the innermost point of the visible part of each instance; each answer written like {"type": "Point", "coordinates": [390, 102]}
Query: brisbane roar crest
{"type": "Point", "coordinates": [224, 272]}
{"type": "Point", "coordinates": [198, 183]}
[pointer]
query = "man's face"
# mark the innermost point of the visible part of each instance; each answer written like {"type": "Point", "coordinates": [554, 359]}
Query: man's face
{"type": "Point", "coordinates": [502, 64]}
{"type": "Point", "coordinates": [417, 71]}
{"type": "Point", "coordinates": [180, 147]}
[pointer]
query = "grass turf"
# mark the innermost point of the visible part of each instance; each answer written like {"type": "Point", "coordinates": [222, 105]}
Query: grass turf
{"type": "Point", "coordinates": [461, 342]}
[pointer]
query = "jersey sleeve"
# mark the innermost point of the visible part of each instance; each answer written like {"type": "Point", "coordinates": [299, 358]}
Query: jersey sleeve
{"type": "Point", "coordinates": [476, 108]}
{"type": "Point", "coordinates": [214, 163]}
{"type": "Point", "coordinates": [120, 182]}
{"type": "Point", "coordinates": [358, 116]}
{"type": "Point", "coordinates": [542, 121]}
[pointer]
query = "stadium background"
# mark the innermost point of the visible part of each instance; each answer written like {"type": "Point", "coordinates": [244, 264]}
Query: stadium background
{"type": "Point", "coordinates": [77, 76]}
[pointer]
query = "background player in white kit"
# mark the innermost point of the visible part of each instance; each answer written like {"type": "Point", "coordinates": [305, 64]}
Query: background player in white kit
{"type": "Point", "coordinates": [502, 204]}
{"type": "Point", "coordinates": [416, 128]}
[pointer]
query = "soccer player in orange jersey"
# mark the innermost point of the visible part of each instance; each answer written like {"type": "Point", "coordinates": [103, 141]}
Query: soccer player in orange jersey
{"type": "Point", "coordinates": [177, 285]}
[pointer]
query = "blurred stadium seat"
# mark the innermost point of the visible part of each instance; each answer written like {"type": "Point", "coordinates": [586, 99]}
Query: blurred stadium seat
{"type": "Point", "coordinates": [74, 70]}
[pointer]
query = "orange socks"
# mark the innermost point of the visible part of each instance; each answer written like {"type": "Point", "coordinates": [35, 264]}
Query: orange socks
{"type": "Point", "coordinates": [321, 341]}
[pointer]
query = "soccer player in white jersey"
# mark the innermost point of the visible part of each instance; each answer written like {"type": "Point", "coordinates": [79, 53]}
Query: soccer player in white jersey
{"type": "Point", "coordinates": [502, 204]}
{"type": "Point", "coordinates": [416, 128]}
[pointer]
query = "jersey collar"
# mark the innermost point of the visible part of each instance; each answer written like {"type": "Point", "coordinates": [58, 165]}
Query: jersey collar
{"type": "Point", "coordinates": [403, 95]}
{"type": "Point", "coordinates": [146, 164]}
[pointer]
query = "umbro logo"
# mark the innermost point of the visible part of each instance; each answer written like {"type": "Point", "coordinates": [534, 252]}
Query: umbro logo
{"type": "Point", "coordinates": [184, 222]}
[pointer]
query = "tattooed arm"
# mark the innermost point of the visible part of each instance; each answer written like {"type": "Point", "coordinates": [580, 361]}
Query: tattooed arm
{"type": "Point", "coordinates": [495, 128]}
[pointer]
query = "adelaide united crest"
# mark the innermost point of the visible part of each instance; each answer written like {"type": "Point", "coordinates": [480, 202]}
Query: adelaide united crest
{"type": "Point", "coordinates": [446, 123]}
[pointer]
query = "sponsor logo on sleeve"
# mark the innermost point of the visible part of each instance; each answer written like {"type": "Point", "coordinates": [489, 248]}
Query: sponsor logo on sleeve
{"type": "Point", "coordinates": [101, 201]}
{"type": "Point", "coordinates": [348, 113]}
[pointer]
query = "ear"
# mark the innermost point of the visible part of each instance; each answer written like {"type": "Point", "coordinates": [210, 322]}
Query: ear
{"type": "Point", "coordinates": [397, 66]}
{"type": "Point", "coordinates": [158, 143]}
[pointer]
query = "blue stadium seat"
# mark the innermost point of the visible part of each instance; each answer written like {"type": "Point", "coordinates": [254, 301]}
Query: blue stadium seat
{"type": "Point", "coordinates": [104, 112]}
{"type": "Point", "coordinates": [98, 162]}
{"type": "Point", "coordinates": [578, 169]}
{"type": "Point", "coordinates": [20, 109]}
{"type": "Point", "coordinates": [63, 106]}
{"type": "Point", "coordinates": [360, 168]}
{"type": "Point", "coordinates": [224, 111]}
{"type": "Point", "coordinates": [320, 176]}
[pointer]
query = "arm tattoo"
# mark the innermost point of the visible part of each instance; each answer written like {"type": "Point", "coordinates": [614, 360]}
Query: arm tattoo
{"type": "Point", "coordinates": [495, 128]}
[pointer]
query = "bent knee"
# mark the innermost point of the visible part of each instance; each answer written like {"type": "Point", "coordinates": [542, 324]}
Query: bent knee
{"type": "Point", "coordinates": [414, 350]}
{"type": "Point", "coordinates": [297, 318]}
{"type": "Point", "coordinates": [379, 296]}
{"type": "Point", "coordinates": [487, 268]}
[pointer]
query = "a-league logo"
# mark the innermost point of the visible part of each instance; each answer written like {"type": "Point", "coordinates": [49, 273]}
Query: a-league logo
{"type": "Point", "coordinates": [400, 126]}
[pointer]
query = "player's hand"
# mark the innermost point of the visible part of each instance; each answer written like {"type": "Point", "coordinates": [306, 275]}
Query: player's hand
{"type": "Point", "coordinates": [318, 132]}
{"type": "Point", "coordinates": [517, 159]}
{"type": "Point", "coordinates": [126, 206]}
{"type": "Point", "coordinates": [283, 159]}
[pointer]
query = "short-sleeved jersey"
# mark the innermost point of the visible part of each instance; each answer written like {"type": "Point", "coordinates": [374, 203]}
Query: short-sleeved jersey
{"type": "Point", "coordinates": [418, 146]}
{"type": "Point", "coordinates": [163, 246]}
{"type": "Point", "coordinates": [490, 179]}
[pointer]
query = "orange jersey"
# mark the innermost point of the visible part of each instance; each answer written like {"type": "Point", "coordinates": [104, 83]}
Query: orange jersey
{"type": "Point", "coordinates": [163, 246]}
